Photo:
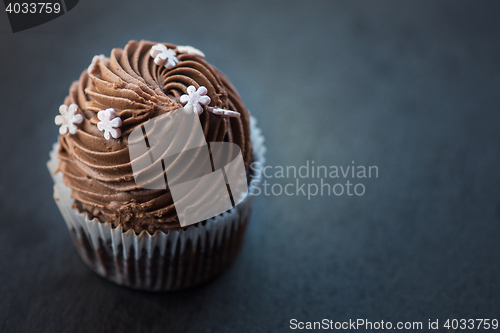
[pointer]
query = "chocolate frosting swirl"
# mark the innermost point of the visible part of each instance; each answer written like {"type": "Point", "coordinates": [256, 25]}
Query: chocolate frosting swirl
{"type": "Point", "coordinates": [99, 171]}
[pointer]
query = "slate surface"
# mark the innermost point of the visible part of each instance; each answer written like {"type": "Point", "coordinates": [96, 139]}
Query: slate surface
{"type": "Point", "coordinates": [410, 87]}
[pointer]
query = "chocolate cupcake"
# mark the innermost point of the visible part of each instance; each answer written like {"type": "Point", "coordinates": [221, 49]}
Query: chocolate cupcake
{"type": "Point", "coordinates": [125, 226]}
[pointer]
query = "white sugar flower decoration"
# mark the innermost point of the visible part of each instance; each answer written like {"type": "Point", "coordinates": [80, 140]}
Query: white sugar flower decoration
{"type": "Point", "coordinates": [194, 99]}
{"type": "Point", "coordinates": [97, 58]}
{"type": "Point", "coordinates": [68, 119]}
{"type": "Point", "coordinates": [163, 56]}
{"type": "Point", "coordinates": [190, 50]}
{"type": "Point", "coordinates": [109, 123]}
{"type": "Point", "coordinates": [224, 112]}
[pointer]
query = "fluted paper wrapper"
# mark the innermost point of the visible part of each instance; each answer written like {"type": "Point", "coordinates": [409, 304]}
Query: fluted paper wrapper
{"type": "Point", "coordinates": [163, 261]}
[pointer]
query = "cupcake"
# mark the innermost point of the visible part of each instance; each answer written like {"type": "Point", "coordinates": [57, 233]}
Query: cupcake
{"type": "Point", "coordinates": [137, 174]}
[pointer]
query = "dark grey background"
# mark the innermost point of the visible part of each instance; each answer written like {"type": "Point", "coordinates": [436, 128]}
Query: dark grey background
{"type": "Point", "coordinates": [409, 86]}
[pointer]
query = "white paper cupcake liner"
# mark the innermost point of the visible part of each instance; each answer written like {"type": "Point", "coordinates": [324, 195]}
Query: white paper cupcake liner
{"type": "Point", "coordinates": [163, 261]}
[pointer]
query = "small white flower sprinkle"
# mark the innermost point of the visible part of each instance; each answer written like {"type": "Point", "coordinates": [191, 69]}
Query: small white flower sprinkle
{"type": "Point", "coordinates": [224, 112]}
{"type": "Point", "coordinates": [109, 123]}
{"type": "Point", "coordinates": [194, 99]}
{"type": "Point", "coordinates": [190, 50]}
{"type": "Point", "coordinates": [163, 56]}
{"type": "Point", "coordinates": [68, 119]}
